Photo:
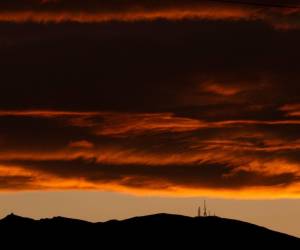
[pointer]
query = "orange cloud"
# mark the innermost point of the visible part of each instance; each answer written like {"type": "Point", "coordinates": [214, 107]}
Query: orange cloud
{"type": "Point", "coordinates": [122, 124]}
{"type": "Point", "coordinates": [20, 178]}
{"type": "Point", "coordinates": [291, 109]}
{"type": "Point", "coordinates": [236, 156]}
{"type": "Point", "coordinates": [105, 11]}
{"type": "Point", "coordinates": [45, 113]}
{"type": "Point", "coordinates": [113, 123]}
{"type": "Point", "coordinates": [141, 171]}
{"type": "Point", "coordinates": [220, 89]}
{"type": "Point", "coordinates": [128, 16]}
{"type": "Point", "coordinates": [81, 144]}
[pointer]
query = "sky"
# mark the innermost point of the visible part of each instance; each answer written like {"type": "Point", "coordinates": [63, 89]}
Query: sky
{"type": "Point", "coordinates": [175, 100]}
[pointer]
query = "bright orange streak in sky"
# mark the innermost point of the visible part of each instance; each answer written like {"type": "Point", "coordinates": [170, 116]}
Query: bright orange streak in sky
{"type": "Point", "coordinates": [279, 19]}
{"type": "Point", "coordinates": [50, 182]}
{"type": "Point", "coordinates": [208, 12]}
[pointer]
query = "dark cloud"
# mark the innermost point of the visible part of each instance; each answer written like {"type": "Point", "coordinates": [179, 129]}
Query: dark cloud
{"type": "Point", "coordinates": [169, 62]}
{"type": "Point", "coordinates": [198, 104]}
{"type": "Point", "coordinates": [16, 182]}
{"type": "Point", "coordinates": [205, 175]}
{"type": "Point", "coordinates": [162, 152]}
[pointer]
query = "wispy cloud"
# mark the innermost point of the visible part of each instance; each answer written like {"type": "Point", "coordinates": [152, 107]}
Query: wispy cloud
{"type": "Point", "coordinates": [103, 11]}
{"type": "Point", "coordinates": [239, 154]}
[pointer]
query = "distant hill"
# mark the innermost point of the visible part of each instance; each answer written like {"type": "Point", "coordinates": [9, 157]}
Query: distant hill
{"type": "Point", "coordinates": [153, 230]}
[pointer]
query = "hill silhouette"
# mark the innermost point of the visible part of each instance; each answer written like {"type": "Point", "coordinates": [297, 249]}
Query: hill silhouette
{"type": "Point", "coordinates": [153, 230]}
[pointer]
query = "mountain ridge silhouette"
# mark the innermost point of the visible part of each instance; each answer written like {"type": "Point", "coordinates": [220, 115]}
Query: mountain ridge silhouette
{"type": "Point", "coordinates": [169, 229]}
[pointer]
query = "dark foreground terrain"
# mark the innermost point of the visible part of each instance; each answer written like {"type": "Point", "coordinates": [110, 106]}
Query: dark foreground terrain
{"type": "Point", "coordinates": [153, 231]}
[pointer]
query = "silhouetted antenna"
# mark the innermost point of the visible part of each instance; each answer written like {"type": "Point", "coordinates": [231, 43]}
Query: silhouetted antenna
{"type": "Point", "coordinates": [199, 211]}
{"type": "Point", "coordinates": [205, 211]}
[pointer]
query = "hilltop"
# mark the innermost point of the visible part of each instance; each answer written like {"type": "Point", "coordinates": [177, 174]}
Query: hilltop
{"type": "Point", "coordinates": [155, 229]}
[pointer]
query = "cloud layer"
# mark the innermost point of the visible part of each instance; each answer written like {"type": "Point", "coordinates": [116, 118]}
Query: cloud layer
{"type": "Point", "coordinates": [278, 14]}
{"type": "Point", "coordinates": [206, 105]}
{"type": "Point", "coordinates": [157, 152]}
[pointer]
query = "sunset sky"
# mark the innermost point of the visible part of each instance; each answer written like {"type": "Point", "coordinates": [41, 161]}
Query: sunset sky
{"type": "Point", "coordinates": [139, 102]}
